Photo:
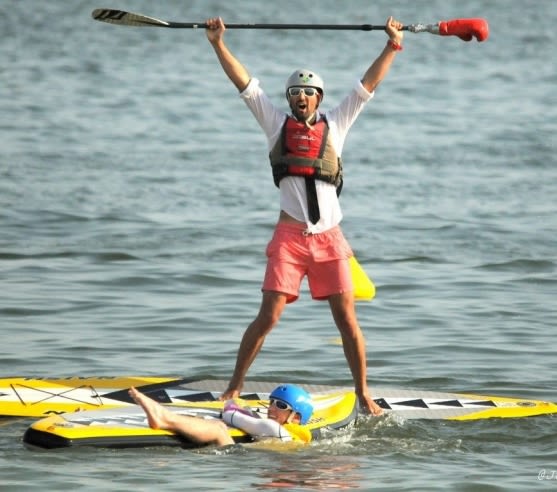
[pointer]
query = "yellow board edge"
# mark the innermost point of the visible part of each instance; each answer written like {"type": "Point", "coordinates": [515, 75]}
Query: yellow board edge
{"type": "Point", "coordinates": [46, 390]}
{"type": "Point", "coordinates": [511, 408]}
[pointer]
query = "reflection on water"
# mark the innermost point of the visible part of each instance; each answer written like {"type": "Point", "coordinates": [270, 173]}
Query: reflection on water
{"type": "Point", "coordinates": [312, 472]}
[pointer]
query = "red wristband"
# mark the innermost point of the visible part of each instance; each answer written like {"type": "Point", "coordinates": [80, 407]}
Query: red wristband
{"type": "Point", "coordinates": [394, 46]}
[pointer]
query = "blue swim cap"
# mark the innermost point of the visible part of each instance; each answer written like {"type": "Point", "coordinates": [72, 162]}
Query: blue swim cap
{"type": "Point", "coordinates": [298, 398]}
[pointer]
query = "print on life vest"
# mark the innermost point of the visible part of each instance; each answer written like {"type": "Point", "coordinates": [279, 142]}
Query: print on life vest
{"type": "Point", "coordinates": [303, 141]}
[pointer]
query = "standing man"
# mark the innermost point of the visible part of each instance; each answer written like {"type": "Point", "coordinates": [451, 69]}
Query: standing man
{"type": "Point", "coordinates": [305, 152]}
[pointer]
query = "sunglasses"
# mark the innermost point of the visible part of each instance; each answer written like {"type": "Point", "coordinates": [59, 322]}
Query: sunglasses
{"type": "Point", "coordinates": [281, 405]}
{"type": "Point", "coordinates": [296, 91]}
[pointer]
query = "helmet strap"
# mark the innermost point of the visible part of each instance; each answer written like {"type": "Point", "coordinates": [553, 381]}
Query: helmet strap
{"type": "Point", "coordinates": [291, 416]}
{"type": "Point", "coordinates": [308, 121]}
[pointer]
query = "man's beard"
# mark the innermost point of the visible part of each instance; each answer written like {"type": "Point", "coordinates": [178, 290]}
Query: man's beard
{"type": "Point", "coordinates": [307, 120]}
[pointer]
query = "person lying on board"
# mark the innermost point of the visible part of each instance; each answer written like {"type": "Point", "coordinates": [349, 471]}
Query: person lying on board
{"type": "Point", "coordinates": [305, 153]}
{"type": "Point", "coordinates": [289, 406]}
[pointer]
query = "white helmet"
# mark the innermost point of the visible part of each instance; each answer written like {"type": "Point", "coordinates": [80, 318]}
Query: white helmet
{"type": "Point", "coordinates": [305, 78]}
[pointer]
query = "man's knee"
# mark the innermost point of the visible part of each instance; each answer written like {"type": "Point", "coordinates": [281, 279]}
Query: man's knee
{"type": "Point", "coordinates": [270, 311]}
{"type": "Point", "coordinates": [266, 320]}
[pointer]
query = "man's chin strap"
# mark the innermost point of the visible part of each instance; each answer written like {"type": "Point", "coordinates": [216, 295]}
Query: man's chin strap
{"type": "Point", "coordinates": [309, 121]}
{"type": "Point", "coordinates": [291, 417]}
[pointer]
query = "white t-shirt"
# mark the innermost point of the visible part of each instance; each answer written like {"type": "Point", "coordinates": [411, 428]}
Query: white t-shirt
{"type": "Point", "coordinates": [293, 198]}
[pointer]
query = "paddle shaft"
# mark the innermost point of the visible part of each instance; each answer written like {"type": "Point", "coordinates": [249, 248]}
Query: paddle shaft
{"type": "Point", "coordinates": [133, 19]}
{"type": "Point", "coordinates": [465, 29]}
{"type": "Point", "coordinates": [305, 27]}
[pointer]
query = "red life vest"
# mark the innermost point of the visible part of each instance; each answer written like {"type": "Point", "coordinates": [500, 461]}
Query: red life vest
{"type": "Point", "coordinates": [306, 151]}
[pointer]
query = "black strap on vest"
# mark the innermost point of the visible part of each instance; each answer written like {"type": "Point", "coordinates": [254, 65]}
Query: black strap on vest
{"type": "Point", "coordinates": [311, 190]}
{"type": "Point", "coordinates": [313, 203]}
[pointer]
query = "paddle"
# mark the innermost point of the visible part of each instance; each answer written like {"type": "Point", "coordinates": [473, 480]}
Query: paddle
{"type": "Point", "coordinates": [465, 29]}
{"type": "Point", "coordinates": [364, 290]}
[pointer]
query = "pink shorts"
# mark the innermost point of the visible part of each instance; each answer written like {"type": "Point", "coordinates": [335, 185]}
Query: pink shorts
{"type": "Point", "coordinates": [322, 257]}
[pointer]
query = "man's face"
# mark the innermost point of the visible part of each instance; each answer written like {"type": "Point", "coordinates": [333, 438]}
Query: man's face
{"type": "Point", "coordinates": [302, 102]}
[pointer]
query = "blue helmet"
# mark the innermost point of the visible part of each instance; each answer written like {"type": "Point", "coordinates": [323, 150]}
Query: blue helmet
{"type": "Point", "coordinates": [298, 398]}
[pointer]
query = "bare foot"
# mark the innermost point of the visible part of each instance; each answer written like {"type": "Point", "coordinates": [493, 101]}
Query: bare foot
{"type": "Point", "coordinates": [230, 394]}
{"type": "Point", "coordinates": [368, 405]}
{"type": "Point", "coordinates": [156, 414]}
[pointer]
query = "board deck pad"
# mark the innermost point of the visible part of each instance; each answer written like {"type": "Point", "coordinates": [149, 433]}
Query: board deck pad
{"type": "Point", "coordinates": [40, 397]}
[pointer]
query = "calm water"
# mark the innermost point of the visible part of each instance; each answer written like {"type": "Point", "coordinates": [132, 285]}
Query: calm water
{"type": "Point", "coordinates": [136, 202]}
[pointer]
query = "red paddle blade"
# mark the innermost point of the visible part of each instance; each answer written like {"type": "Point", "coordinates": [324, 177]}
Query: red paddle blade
{"type": "Point", "coordinates": [465, 29]}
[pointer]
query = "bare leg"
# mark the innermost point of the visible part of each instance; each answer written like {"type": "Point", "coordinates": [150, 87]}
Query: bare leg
{"type": "Point", "coordinates": [353, 343]}
{"type": "Point", "coordinates": [195, 429]}
{"type": "Point", "coordinates": [272, 305]}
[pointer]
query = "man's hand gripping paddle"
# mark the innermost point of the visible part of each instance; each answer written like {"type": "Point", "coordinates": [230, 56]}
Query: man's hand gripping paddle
{"type": "Point", "coordinates": [465, 29]}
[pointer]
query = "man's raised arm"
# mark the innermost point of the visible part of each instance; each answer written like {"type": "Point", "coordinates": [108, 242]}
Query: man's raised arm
{"type": "Point", "coordinates": [235, 71]}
